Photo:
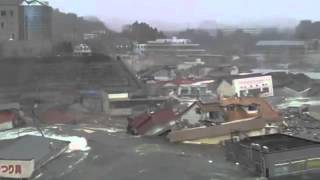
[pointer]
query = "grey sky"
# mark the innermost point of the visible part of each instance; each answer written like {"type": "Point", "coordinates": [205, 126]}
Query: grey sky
{"type": "Point", "coordinates": [193, 11]}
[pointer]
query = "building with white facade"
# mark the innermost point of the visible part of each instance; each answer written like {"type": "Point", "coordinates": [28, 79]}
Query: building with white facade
{"type": "Point", "coordinates": [173, 46]}
{"type": "Point", "coordinates": [252, 85]}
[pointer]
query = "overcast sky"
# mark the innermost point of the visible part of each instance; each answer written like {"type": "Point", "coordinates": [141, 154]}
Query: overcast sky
{"type": "Point", "coordinates": [192, 11]}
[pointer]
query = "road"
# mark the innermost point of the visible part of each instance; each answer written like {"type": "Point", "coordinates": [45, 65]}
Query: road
{"type": "Point", "coordinates": [117, 155]}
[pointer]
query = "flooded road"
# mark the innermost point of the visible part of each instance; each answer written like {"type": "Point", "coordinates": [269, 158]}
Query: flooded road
{"type": "Point", "coordinates": [116, 155]}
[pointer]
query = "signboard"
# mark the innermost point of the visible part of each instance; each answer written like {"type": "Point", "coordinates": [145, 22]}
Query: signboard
{"type": "Point", "coordinates": [262, 85]}
{"type": "Point", "coordinates": [16, 169]}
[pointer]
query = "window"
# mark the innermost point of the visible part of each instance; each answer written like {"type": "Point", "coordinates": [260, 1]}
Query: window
{"type": "Point", "coordinates": [243, 93]}
{"type": "Point", "coordinates": [194, 91]}
{"type": "Point", "coordinates": [252, 108]}
{"type": "Point", "coordinates": [198, 110]}
{"type": "Point", "coordinates": [265, 90]}
{"type": "Point", "coordinates": [184, 91]}
{"type": "Point", "coordinates": [297, 166]}
{"type": "Point", "coordinates": [2, 25]}
{"type": "Point", "coordinates": [313, 163]}
{"type": "Point", "coordinates": [214, 115]}
{"type": "Point", "coordinates": [11, 13]}
{"type": "Point", "coordinates": [3, 13]}
{"type": "Point", "coordinates": [281, 169]}
{"type": "Point", "coordinates": [230, 108]}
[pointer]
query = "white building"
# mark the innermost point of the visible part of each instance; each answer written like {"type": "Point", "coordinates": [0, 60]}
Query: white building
{"type": "Point", "coordinates": [82, 50]}
{"type": "Point", "coordinates": [245, 86]}
{"type": "Point", "coordinates": [169, 46]}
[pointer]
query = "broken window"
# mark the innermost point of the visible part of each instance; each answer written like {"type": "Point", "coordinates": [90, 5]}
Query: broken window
{"type": "Point", "coordinates": [213, 115]}
{"type": "Point", "coordinates": [231, 108]}
{"type": "Point", "coordinates": [252, 107]}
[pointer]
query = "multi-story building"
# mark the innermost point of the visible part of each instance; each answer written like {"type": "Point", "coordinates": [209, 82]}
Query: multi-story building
{"type": "Point", "coordinates": [172, 46]}
{"type": "Point", "coordinates": [11, 27]}
{"type": "Point", "coordinates": [37, 20]}
{"type": "Point", "coordinates": [25, 20]}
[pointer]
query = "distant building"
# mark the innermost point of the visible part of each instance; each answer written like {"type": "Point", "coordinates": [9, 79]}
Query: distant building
{"type": "Point", "coordinates": [275, 47]}
{"type": "Point", "coordinates": [172, 46]}
{"type": "Point", "coordinates": [11, 17]}
{"type": "Point", "coordinates": [82, 50]}
{"type": "Point", "coordinates": [229, 31]}
{"type": "Point", "coordinates": [89, 36]}
{"type": "Point", "coordinates": [10, 116]}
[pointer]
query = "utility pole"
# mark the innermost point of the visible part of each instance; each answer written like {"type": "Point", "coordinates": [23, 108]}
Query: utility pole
{"type": "Point", "coordinates": [35, 119]}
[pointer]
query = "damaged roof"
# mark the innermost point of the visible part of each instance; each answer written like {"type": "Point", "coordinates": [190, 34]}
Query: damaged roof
{"type": "Point", "coordinates": [298, 82]}
{"type": "Point", "coordinates": [265, 109]}
{"type": "Point", "coordinates": [146, 121]}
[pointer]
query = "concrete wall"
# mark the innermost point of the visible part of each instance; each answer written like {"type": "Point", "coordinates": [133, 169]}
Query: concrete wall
{"type": "Point", "coordinates": [191, 116]}
{"type": "Point", "coordinates": [26, 48]}
{"type": "Point", "coordinates": [220, 139]}
{"type": "Point", "coordinates": [289, 156]}
{"type": "Point", "coordinates": [11, 21]}
{"type": "Point", "coordinates": [225, 89]}
{"type": "Point", "coordinates": [121, 112]}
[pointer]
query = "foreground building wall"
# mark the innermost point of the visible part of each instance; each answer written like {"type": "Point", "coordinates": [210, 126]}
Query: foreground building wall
{"type": "Point", "coordinates": [10, 20]}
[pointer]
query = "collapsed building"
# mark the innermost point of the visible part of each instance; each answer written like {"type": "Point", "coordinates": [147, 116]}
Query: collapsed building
{"type": "Point", "coordinates": [209, 122]}
{"type": "Point", "coordinates": [214, 122]}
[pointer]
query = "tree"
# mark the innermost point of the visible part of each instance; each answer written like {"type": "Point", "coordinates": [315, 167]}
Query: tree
{"type": "Point", "coordinates": [141, 32]}
{"type": "Point", "coordinates": [308, 30]}
{"type": "Point", "coordinates": [64, 47]}
{"type": "Point", "coordinates": [201, 37]}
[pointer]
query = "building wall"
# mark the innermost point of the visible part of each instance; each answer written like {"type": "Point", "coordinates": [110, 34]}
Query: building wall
{"type": "Point", "coordinates": [225, 89]}
{"type": "Point", "coordinates": [239, 114]}
{"type": "Point", "coordinates": [291, 157]}
{"type": "Point", "coordinates": [10, 20]}
{"type": "Point", "coordinates": [6, 125]}
{"type": "Point", "coordinates": [248, 85]}
{"type": "Point", "coordinates": [191, 115]}
{"type": "Point", "coordinates": [220, 139]}
{"type": "Point", "coordinates": [26, 48]}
